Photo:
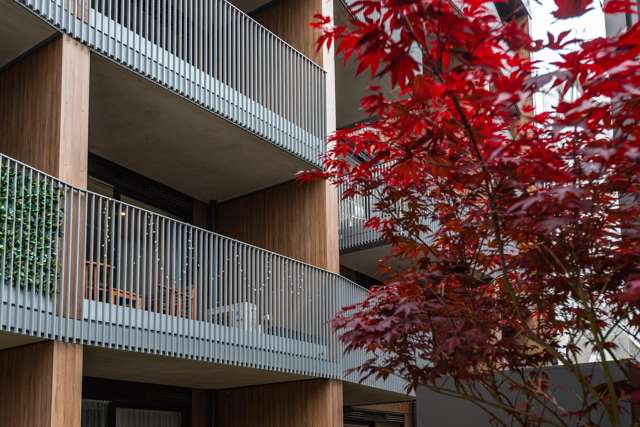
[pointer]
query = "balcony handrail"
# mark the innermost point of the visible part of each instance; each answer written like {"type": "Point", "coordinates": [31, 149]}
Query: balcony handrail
{"type": "Point", "coordinates": [286, 43]}
{"type": "Point", "coordinates": [178, 221]}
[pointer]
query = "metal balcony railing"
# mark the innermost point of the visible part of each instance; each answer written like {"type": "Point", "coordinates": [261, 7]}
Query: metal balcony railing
{"type": "Point", "coordinates": [211, 53]}
{"type": "Point", "coordinates": [354, 213]}
{"type": "Point", "coordinates": [77, 266]}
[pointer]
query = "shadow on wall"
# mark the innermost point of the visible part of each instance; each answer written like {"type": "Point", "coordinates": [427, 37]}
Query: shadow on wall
{"type": "Point", "coordinates": [436, 410]}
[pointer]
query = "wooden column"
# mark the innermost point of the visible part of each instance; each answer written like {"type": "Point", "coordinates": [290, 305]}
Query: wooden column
{"type": "Point", "coordinates": [313, 403]}
{"type": "Point", "coordinates": [289, 19]}
{"type": "Point", "coordinates": [44, 122]}
{"type": "Point", "coordinates": [292, 219]}
{"type": "Point", "coordinates": [200, 408]}
{"type": "Point", "coordinates": [44, 110]}
{"type": "Point", "coordinates": [303, 223]}
{"type": "Point", "coordinates": [41, 385]}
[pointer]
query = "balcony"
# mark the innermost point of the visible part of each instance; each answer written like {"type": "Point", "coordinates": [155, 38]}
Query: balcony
{"type": "Point", "coordinates": [80, 267]}
{"type": "Point", "coordinates": [212, 54]}
{"type": "Point", "coordinates": [354, 213]}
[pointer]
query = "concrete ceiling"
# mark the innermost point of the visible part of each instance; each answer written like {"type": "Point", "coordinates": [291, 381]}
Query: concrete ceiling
{"type": "Point", "coordinates": [365, 261]}
{"type": "Point", "coordinates": [358, 394]}
{"type": "Point", "coordinates": [154, 369]}
{"type": "Point", "coordinates": [20, 31]}
{"type": "Point", "coordinates": [248, 6]}
{"type": "Point", "coordinates": [9, 340]}
{"type": "Point", "coordinates": [152, 131]}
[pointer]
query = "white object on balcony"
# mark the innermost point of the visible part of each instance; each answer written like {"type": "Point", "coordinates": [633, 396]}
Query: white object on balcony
{"type": "Point", "coordinates": [242, 315]}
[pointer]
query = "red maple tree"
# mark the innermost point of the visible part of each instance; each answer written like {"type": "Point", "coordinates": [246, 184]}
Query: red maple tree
{"type": "Point", "coordinates": [518, 233]}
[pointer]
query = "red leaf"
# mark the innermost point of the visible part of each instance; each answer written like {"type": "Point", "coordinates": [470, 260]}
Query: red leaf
{"type": "Point", "coordinates": [572, 8]}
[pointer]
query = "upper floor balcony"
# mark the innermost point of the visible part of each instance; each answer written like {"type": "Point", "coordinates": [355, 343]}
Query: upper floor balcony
{"type": "Point", "coordinates": [211, 53]}
{"type": "Point", "coordinates": [80, 267]}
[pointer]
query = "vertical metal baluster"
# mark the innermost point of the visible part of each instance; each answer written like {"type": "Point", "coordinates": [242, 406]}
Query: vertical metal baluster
{"type": "Point", "coordinates": [163, 282]}
{"type": "Point", "coordinates": [197, 298]}
{"type": "Point", "coordinates": [189, 39]}
{"type": "Point", "coordinates": [213, 287]}
{"type": "Point", "coordinates": [95, 243]}
{"type": "Point", "coordinates": [83, 260]}
{"type": "Point", "coordinates": [269, 285]}
{"type": "Point", "coordinates": [224, 243]}
{"type": "Point", "coordinates": [156, 283]}
{"type": "Point", "coordinates": [234, 63]}
{"type": "Point", "coordinates": [135, 279]}
{"type": "Point", "coordinates": [242, 283]}
{"type": "Point", "coordinates": [41, 252]}
{"type": "Point", "coordinates": [182, 33]}
{"type": "Point", "coordinates": [172, 53]}
{"type": "Point", "coordinates": [146, 268]}
{"type": "Point", "coordinates": [29, 288]}
{"type": "Point", "coordinates": [14, 294]}
{"type": "Point", "coordinates": [233, 273]}
{"type": "Point", "coordinates": [208, 49]}
{"type": "Point", "coordinates": [66, 262]}
{"type": "Point", "coordinates": [109, 269]}
{"type": "Point", "coordinates": [114, 291]}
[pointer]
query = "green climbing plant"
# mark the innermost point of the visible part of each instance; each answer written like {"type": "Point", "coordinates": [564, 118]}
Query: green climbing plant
{"type": "Point", "coordinates": [31, 218]}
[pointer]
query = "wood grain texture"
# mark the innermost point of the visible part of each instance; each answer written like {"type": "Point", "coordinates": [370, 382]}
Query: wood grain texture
{"type": "Point", "coordinates": [313, 403]}
{"type": "Point", "coordinates": [200, 216]}
{"type": "Point", "coordinates": [74, 113]}
{"type": "Point", "coordinates": [200, 408]}
{"type": "Point", "coordinates": [41, 385]}
{"type": "Point", "coordinates": [291, 219]}
{"type": "Point", "coordinates": [44, 110]}
{"type": "Point", "coordinates": [288, 19]}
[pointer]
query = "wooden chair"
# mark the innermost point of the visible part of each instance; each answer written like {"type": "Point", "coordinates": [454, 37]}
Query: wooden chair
{"type": "Point", "coordinates": [95, 288]}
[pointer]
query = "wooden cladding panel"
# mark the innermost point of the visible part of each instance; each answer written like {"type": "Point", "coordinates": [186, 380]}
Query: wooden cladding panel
{"type": "Point", "coordinates": [74, 113]}
{"type": "Point", "coordinates": [314, 403]}
{"type": "Point", "coordinates": [30, 108]}
{"type": "Point", "coordinates": [41, 385]}
{"type": "Point", "coordinates": [292, 219]}
{"type": "Point", "coordinates": [200, 408]}
{"type": "Point", "coordinates": [44, 109]}
{"type": "Point", "coordinates": [289, 19]}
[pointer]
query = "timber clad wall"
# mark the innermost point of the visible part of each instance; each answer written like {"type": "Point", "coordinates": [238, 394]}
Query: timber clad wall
{"type": "Point", "coordinates": [41, 385]}
{"type": "Point", "coordinates": [44, 110]}
{"type": "Point", "coordinates": [313, 403]}
{"type": "Point", "coordinates": [290, 219]}
{"type": "Point", "coordinates": [288, 19]}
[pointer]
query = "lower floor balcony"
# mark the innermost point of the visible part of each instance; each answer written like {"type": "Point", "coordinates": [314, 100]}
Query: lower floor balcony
{"type": "Point", "coordinates": [80, 267]}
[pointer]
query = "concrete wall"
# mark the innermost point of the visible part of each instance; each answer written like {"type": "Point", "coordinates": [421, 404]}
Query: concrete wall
{"type": "Point", "coordinates": [435, 410]}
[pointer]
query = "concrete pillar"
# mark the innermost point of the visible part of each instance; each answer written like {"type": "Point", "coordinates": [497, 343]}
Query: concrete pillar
{"type": "Point", "coordinates": [44, 110]}
{"type": "Point", "coordinates": [41, 385]}
{"type": "Point", "coordinates": [313, 403]}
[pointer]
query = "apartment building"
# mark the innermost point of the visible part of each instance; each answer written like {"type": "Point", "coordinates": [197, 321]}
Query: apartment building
{"type": "Point", "coordinates": [159, 265]}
